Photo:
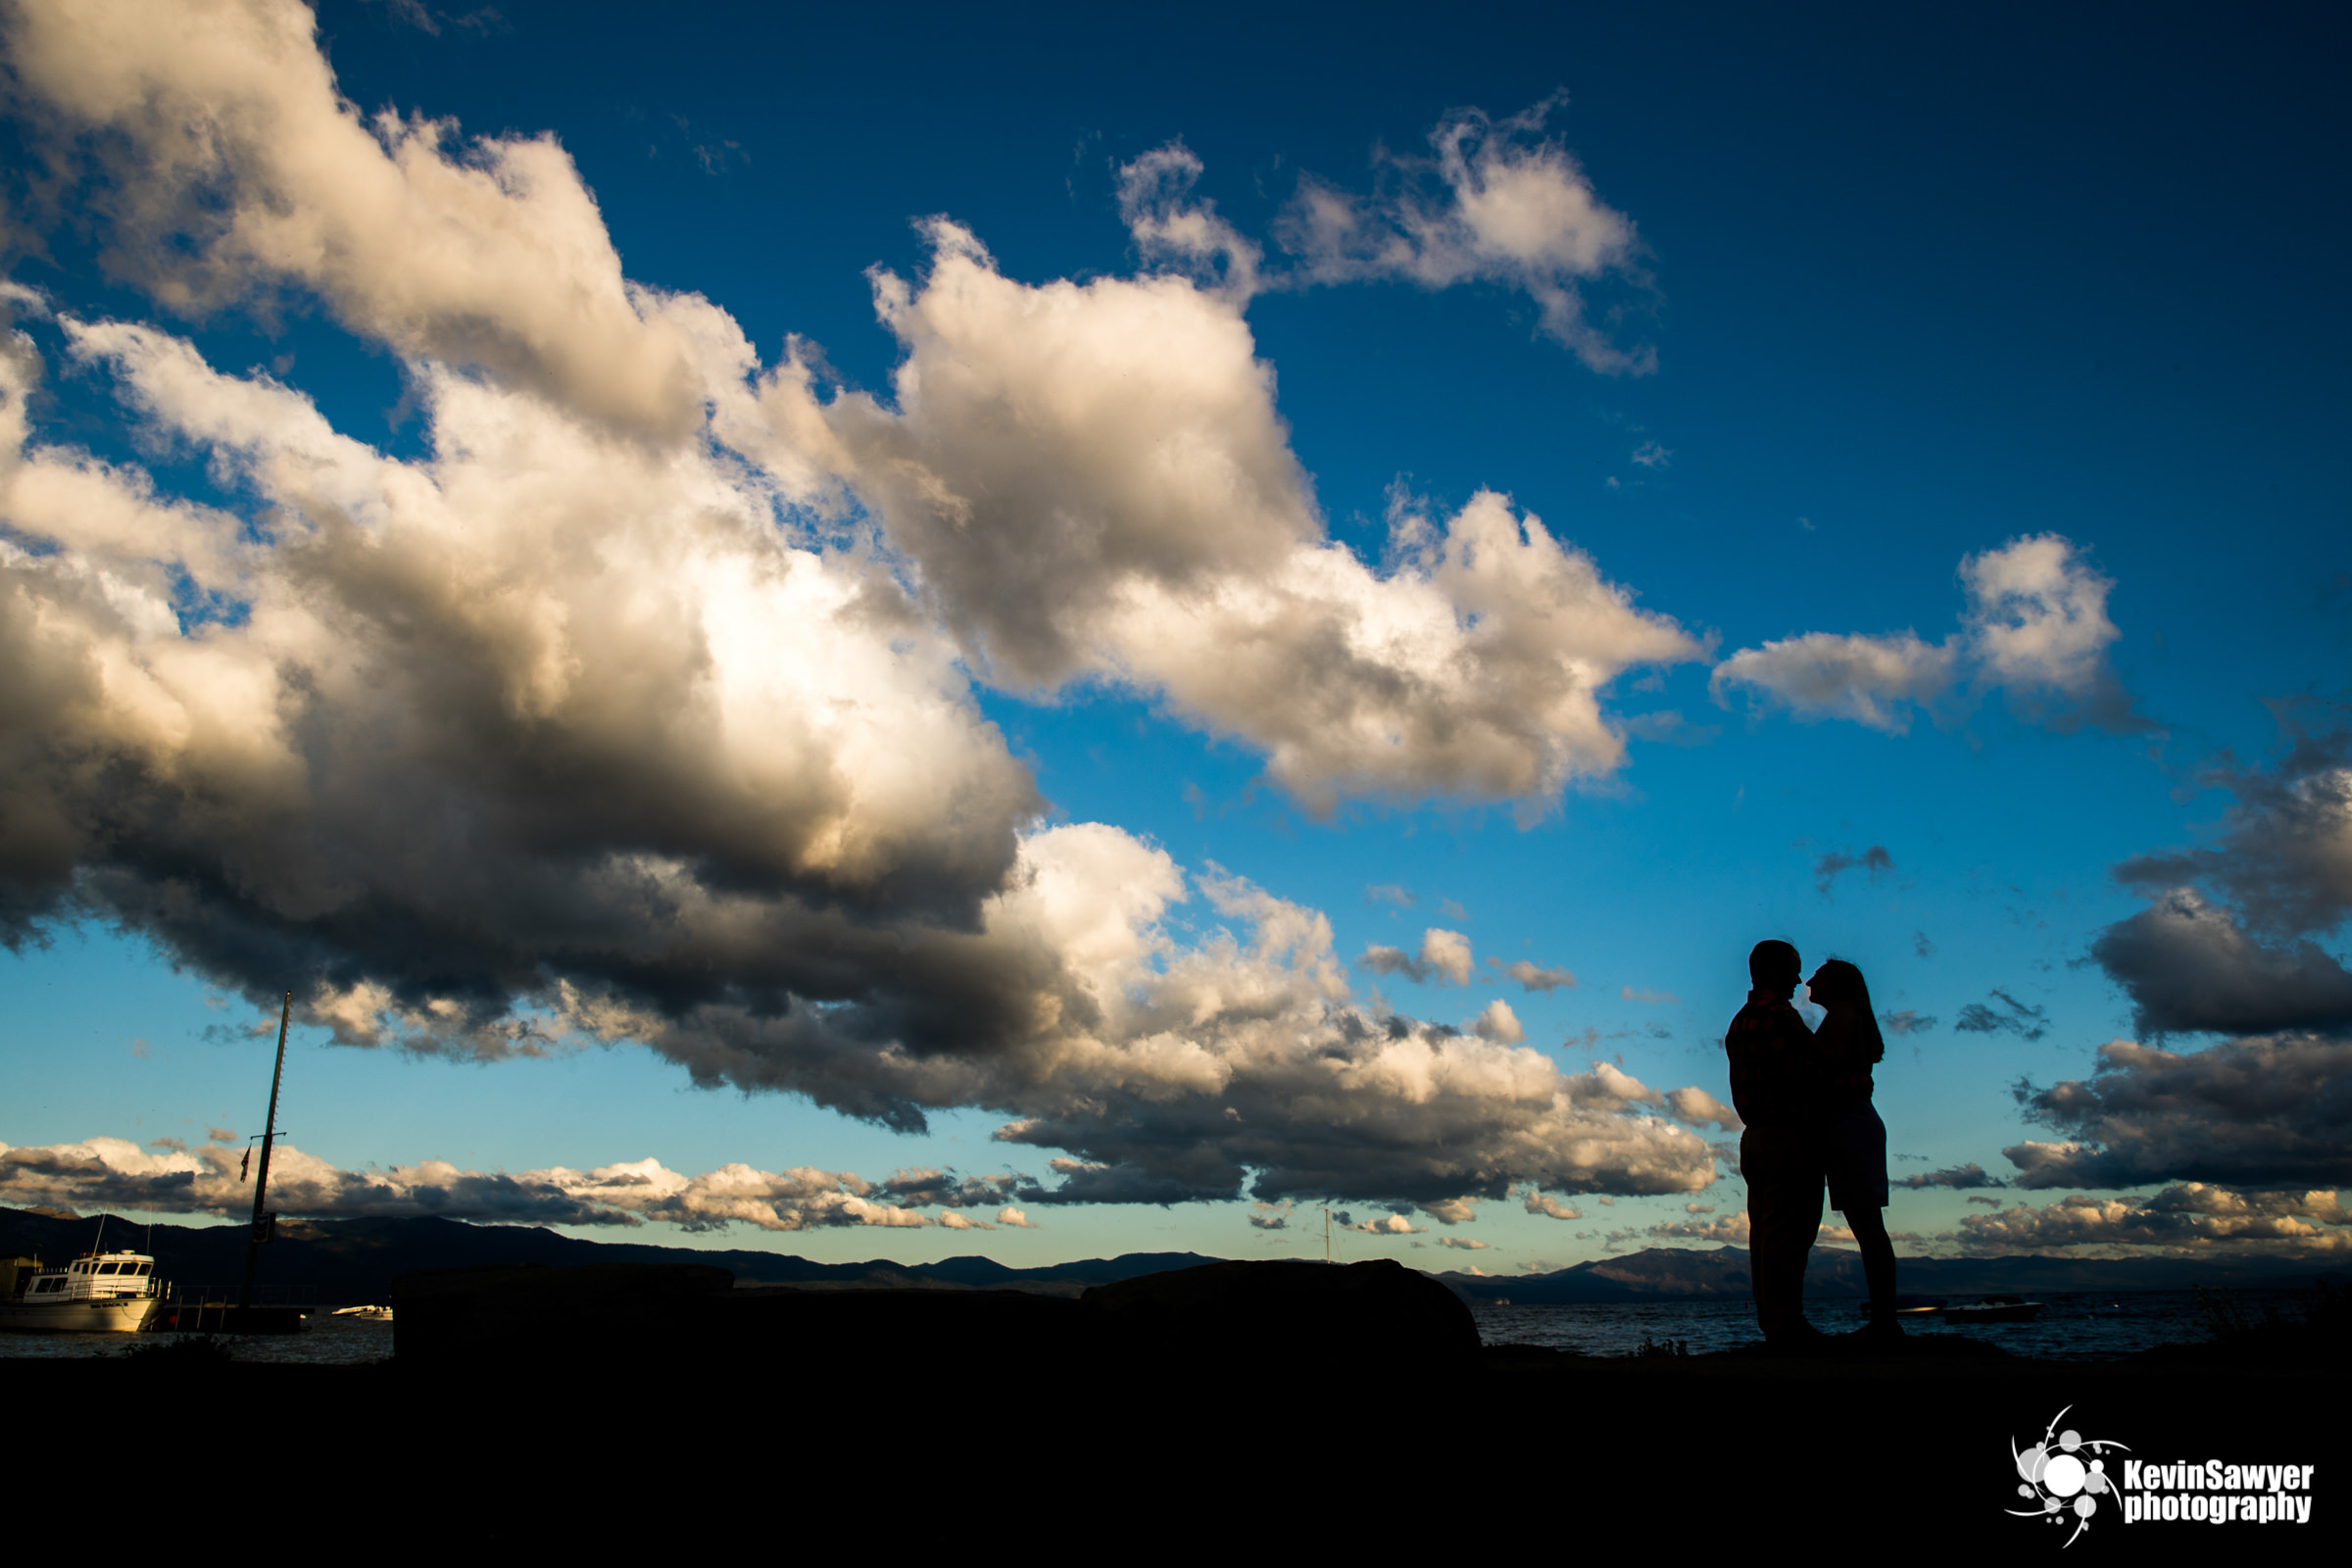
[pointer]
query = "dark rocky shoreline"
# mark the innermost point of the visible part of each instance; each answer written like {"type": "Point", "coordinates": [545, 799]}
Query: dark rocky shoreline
{"type": "Point", "coordinates": [651, 1405]}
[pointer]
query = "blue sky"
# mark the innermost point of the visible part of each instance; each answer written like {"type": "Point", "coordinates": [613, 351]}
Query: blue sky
{"type": "Point", "coordinates": [1933, 429]}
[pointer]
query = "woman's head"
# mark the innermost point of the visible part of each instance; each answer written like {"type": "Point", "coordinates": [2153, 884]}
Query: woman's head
{"type": "Point", "coordinates": [1838, 987]}
{"type": "Point", "coordinates": [1837, 983]}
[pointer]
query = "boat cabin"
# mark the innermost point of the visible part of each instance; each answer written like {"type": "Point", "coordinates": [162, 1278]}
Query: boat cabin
{"type": "Point", "coordinates": [91, 1277]}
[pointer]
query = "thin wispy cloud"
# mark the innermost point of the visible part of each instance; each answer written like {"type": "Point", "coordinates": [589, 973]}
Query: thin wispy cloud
{"type": "Point", "coordinates": [2006, 1015]}
{"type": "Point", "coordinates": [1535, 978]}
{"type": "Point", "coordinates": [1831, 863]}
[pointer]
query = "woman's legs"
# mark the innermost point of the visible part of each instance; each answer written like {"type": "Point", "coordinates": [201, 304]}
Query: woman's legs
{"type": "Point", "coordinates": [1869, 1226]}
{"type": "Point", "coordinates": [1858, 1190]}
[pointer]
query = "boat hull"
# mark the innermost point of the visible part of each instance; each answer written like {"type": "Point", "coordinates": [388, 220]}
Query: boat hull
{"type": "Point", "coordinates": [218, 1317]}
{"type": "Point", "coordinates": [121, 1315]}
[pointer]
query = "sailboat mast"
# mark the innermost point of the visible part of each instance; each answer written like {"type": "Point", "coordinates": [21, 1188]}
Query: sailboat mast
{"type": "Point", "coordinates": [261, 1180]}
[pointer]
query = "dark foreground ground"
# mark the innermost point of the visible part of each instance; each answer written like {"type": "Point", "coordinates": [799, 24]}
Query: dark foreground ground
{"type": "Point", "coordinates": [937, 1447]}
{"type": "Point", "coordinates": [887, 1425]}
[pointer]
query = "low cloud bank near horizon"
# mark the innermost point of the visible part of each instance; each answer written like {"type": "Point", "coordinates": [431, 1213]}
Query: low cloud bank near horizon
{"type": "Point", "coordinates": [165, 1178]}
{"type": "Point", "coordinates": [2187, 1217]}
{"type": "Point", "coordinates": [2271, 1111]}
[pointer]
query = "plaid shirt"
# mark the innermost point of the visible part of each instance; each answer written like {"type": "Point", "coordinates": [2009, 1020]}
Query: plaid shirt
{"type": "Point", "coordinates": [1777, 1076]}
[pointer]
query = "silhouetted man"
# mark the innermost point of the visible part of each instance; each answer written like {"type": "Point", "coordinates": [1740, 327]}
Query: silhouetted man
{"type": "Point", "coordinates": [1777, 1087]}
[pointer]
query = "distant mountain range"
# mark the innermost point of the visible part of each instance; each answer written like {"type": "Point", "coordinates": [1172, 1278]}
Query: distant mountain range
{"type": "Point", "coordinates": [346, 1260]}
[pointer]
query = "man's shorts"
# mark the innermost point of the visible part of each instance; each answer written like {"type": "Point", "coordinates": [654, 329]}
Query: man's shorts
{"type": "Point", "coordinates": [1783, 1169]}
{"type": "Point", "coordinates": [1854, 1149]}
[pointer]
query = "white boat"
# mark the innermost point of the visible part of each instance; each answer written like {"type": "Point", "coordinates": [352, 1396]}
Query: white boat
{"type": "Point", "coordinates": [98, 1292]}
{"type": "Point", "coordinates": [1992, 1309]}
{"type": "Point", "coordinates": [365, 1314]}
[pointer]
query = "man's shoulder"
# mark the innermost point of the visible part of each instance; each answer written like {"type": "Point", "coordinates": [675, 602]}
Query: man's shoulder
{"type": "Point", "coordinates": [1764, 1015]}
{"type": "Point", "coordinates": [1761, 1008]}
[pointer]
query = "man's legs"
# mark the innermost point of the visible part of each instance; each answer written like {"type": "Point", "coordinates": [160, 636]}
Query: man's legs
{"type": "Point", "coordinates": [1784, 1216]}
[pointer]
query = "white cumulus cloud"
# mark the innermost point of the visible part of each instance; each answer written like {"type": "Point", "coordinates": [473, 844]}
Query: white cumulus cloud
{"type": "Point", "coordinates": [1497, 202]}
{"type": "Point", "coordinates": [1498, 1022]}
{"type": "Point", "coordinates": [636, 704]}
{"type": "Point", "coordinates": [2035, 628]}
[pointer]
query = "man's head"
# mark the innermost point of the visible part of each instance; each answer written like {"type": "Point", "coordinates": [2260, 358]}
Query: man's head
{"type": "Point", "coordinates": [1772, 965]}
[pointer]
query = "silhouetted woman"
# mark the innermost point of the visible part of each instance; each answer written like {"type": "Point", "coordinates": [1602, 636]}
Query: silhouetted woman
{"type": "Point", "coordinates": [1855, 1140]}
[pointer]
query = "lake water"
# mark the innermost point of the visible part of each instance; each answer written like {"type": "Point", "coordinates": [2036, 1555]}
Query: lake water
{"type": "Point", "coordinates": [324, 1341]}
{"type": "Point", "coordinates": [2071, 1328]}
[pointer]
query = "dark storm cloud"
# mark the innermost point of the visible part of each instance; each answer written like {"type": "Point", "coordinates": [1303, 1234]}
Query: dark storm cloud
{"type": "Point", "coordinates": [2190, 967]}
{"type": "Point", "coordinates": [2283, 859]}
{"type": "Point", "coordinates": [2253, 1112]}
{"type": "Point", "coordinates": [2226, 947]}
{"type": "Point", "coordinates": [2242, 961]}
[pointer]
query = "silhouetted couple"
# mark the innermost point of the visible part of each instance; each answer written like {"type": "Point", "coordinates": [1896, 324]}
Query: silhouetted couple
{"type": "Point", "coordinates": [1805, 1097]}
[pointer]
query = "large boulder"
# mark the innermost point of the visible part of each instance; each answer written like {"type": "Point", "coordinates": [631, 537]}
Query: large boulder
{"type": "Point", "coordinates": [1377, 1313]}
{"type": "Point", "coordinates": [679, 1320]}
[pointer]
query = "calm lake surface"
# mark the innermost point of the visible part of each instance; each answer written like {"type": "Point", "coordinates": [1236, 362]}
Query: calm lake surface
{"type": "Point", "coordinates": [2071, 1328]}
{"type": "Point", "coordinates": [324, 1342]}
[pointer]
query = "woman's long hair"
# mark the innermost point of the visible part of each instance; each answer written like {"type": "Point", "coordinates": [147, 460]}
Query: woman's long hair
{"type": "Point", "coordinates": [1847, 985]}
